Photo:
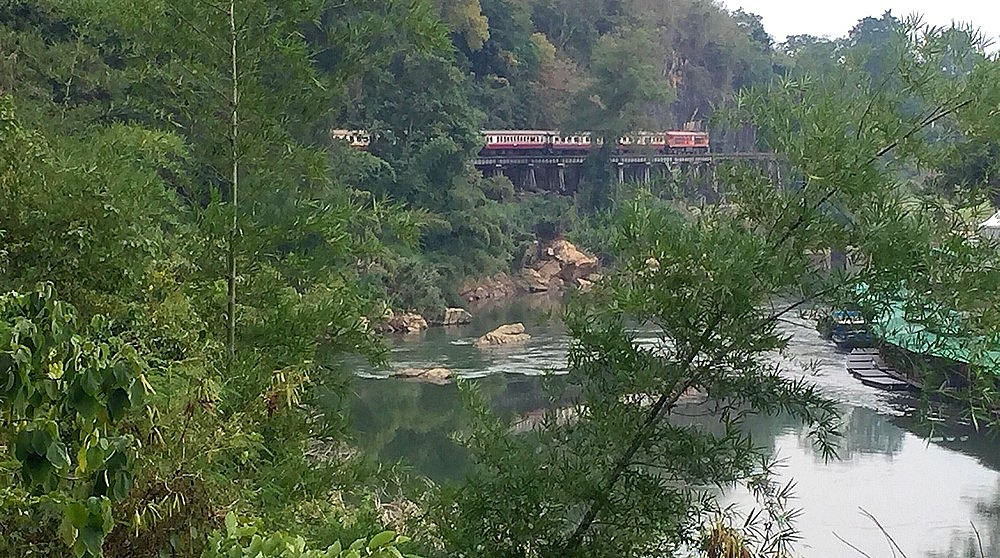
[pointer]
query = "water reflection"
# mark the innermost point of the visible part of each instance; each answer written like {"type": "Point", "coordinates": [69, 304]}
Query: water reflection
{"type": "Point", "coordinates": [926, 494]}
{"type": "Point", "coordinates": [415, 423]}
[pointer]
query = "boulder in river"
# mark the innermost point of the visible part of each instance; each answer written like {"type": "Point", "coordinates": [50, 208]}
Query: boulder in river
{"type": "Point", "coordinates": [407, 322]}
{"type": "Point", "coordinates": [452, 316]}
{"type": "Point", "coordinates": [436, 375]}
{"type": "Point", "coordinates": [503, 335]}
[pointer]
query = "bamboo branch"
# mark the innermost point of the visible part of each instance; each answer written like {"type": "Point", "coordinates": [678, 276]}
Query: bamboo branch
{"type": "Point", "coordinates": [665, 402]}
{"type": "Point", "coordinates": [234, 129]}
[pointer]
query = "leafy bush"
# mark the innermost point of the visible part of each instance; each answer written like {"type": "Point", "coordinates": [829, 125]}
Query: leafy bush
{"type": "Point", "coordinates": [64, 400]}
{"type": "Point", "coordinates": [244, 539]}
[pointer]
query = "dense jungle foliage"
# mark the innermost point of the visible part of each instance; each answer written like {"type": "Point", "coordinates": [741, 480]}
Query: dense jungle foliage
{"type": "Point", "coordinates": [185, 253]}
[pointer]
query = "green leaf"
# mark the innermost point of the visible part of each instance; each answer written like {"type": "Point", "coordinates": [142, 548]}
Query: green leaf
{"type": "Point", "coordinates": [231, 524]}
{"type": "Point", "coordinates": [57, 455]}
{"type": "Point", "coordinates": [22, 445]}
{"type": "Point", "coordinates": [77, 514]}
{"type": "Point", "coordinates": [90, 382]}
{"type": "Point", "coordinates": [40, 441]}
{"type": "Point", "coordinates": [118, 404]}
{"type": "Point", "coordinates": [381, 539]}
{"type": "Point", "coordinates": [67, 531]}
{"type": "Point", "coordinates": [92, 539]}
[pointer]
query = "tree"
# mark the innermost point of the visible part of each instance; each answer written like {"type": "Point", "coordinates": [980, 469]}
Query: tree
{"type": "Point", "coordinates": [466, 20]}
{"type": "Point", "coordinates": [686, 326]}
{"type": "Point", "coordinates": [626, 82]}
{"type": "Point", "coordinates": [753, 25]}
{"type": "Point", "coordinates": [140, 152]}
{"type": "Point", "coordinates": [574, 26]}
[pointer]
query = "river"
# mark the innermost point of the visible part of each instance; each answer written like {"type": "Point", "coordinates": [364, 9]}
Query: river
{"type": "Point", "coordinates": [930, 494]}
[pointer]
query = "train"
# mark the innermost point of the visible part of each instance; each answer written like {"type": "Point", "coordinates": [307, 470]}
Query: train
{"type": "Point", "coordinates": [538, 142]}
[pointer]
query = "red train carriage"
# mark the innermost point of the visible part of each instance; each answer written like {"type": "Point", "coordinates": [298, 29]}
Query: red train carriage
{"type": "Point", "coordinates": [691, 142]}
{"type": "Point", "coordinates": [665, 142]}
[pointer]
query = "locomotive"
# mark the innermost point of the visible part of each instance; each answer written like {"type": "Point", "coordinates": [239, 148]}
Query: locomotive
{"type": "Point", "coordinates": [543, 142]}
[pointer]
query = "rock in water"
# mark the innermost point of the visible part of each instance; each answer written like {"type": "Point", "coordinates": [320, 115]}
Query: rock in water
{"type": "Point", "coordinates": [453, 316]}
{"type": "Point", "coordinates": [437, 375]}
{"type": "Point", "coordinates": [503, 335]}
{"type": "Point", "coordinates": [407, 323]}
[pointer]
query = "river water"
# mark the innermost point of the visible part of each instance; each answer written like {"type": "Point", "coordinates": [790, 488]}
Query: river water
{"type": "Point", "coordinates": [931, 494]}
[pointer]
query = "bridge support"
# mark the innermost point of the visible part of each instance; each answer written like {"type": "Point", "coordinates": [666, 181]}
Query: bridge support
{"type": "Point", "coordinates": [561, 173]}
{"type": "Point", "coordinates": [529, 180]}
{"type": "Point", "coordinates": [498, 170]}
{"type": "Point", "coordinates": [645, 173]}
{"type": "Point", "coordinates": [621, 173]}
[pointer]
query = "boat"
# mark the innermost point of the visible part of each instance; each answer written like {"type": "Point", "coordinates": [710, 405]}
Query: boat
{"type": "Point", "coordinates": [846, 328]}
{"type": "Point", "coordinates": [926, 344]}
{"type": "Point", "coordinates": [868, 367]}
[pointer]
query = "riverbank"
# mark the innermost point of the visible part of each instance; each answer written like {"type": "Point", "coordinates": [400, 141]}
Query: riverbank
{"type": "Point", "coordinates": [926, 493]}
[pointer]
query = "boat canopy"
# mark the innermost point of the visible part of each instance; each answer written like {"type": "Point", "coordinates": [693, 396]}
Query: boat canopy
{"type": "Point", "coordinates": [924, 331]}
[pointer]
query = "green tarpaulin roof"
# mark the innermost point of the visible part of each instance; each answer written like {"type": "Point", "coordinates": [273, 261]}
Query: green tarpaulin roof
{"type": "Point", "coordinates": [931, 333]}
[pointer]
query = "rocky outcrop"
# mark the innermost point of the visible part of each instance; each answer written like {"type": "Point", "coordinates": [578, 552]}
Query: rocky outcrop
{"type": "Point", "coordinates": [504, 335]}
{"type": "Point", "coordinates": [555, 265]}
{"type": "Point", "coordinates": [548, 267]}
{"type": "Point", "coordinates": [534, 282]}
{"type": "Point", "coordinates": [436, 375]}
{"type": "Point", "coordinates": [404, 322]}
{"type": "Point", "coordinates": [452, 317]}
{"type": "Point", "coordinates": [497, 286]}
{"type": "Point", "coordinates": [587, 283]}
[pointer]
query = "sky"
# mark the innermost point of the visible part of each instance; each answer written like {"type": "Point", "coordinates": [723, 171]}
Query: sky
{"type": "Point", "coordinates": [834, 18]}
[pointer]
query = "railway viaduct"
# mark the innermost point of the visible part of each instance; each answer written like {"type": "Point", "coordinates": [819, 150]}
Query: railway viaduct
{"type": "Point", "coordinates": [561, 173]}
